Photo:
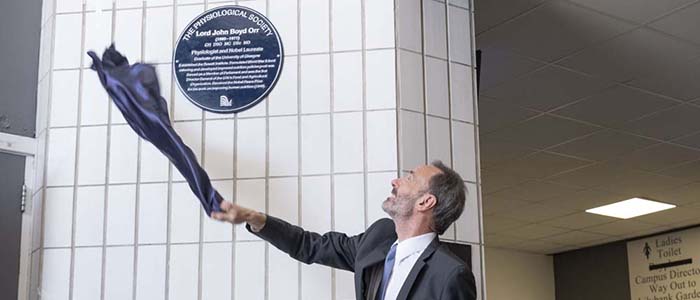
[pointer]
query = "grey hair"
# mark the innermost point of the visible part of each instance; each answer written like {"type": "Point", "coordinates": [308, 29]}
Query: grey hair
{"type": "Point", "coordinates": [450, 192]}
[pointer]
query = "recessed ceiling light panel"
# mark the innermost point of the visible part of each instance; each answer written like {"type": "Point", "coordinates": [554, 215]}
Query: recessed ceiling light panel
{"type": "Point", "coordinates": [630, 208]}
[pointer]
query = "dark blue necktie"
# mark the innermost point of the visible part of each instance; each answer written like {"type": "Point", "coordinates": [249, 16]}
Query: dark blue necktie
{"type": "Point", "coordinates": [388, 267]}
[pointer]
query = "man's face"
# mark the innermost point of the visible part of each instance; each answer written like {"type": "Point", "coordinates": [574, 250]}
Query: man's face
{"type": "Point", "coordinates": [407, 189]}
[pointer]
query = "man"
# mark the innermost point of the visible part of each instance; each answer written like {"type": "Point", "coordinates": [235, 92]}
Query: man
{"type": "Point", "coordinates": [400, 258]}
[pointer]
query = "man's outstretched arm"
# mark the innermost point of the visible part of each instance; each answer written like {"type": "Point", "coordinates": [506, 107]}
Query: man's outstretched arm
{"type": "Point", "coordinates": [332, 249]}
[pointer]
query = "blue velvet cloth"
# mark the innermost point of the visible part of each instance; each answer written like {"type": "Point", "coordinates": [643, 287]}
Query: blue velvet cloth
{"type": "Point", "coordinates": [135, 91]}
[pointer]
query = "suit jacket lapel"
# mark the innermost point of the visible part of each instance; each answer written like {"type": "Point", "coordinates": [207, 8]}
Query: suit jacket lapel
{"type": "Point", "coordinates": [417, 268]}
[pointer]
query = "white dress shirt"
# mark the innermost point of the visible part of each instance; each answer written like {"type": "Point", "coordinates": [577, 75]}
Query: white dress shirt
{"type": "Point", "coordinates": [407, 253]}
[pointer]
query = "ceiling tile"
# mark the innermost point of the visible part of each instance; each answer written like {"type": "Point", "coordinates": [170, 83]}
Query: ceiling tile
{"type": "Point", "coordinates": [535, 191]}
{"type": "Point", "coordinates": [692, 140]}
{"type": "Point", "coordinates": [658, 69]}
{"type": "Point", "coordinates": [498, 66]}
{"type": "Point", "coordinates": [638, 11]}
{"type": "Point", "coordinates": [543, 131]}
{"type": "Point", "coordinates": [494, 180]}
{"type": "Point", "coordinates": [604, 145]}
{"type": "Point", "coordinates": [562, 250]}
{"type": "Point", "coordinates": [494, 12]}
{"type": "Point", "coordinates": [542, 247]}
{"type": "Point", "coordinates": [621, 228]}
{"type": "Point", "coordinates": [640, 184]}
{"type": "Point", "coordinates": [680, 82]}
{"type": "Point", "coordinates": [495, 114]}
{"type": "Point", "coordinates": [583, 200]}
{"type": "Point", "coordinates": [592, 176]}
{"type": "Point", "coordinates": [552, 31]}
{"type": "Point", "coordinates": [532, 232]}
{"type": "Point", "coordinates": [689, 171]}
{"type": "Point", "coordinates": [687, 223]}
{"type": "Point", "coordinates": [493, 204]}
{"type": "Point", "coordinates": [541, 165]}
{"type": "Point", "coordinates": [579, 221]}
{"type": "Point", "coordinates": [615, 106]}
{"type": "Point", "coordinates": [682, 195]}
{"type": "Point", "coordinates": [600, 242]}
{"type": "Point", "coordinates": [493, 224]}
{"type": "Point", "coordinates": [576, 238]}
{"type": "Point", "coordinates": [684, 23]}
{"type": "Point", "coordinates": [632, 55]}
{"type": "Point", "coordinates": [656, 229]}
{"type": "Point", "coordinates": [536, 213]}
{"type": "Point", "coordinates": [671, 216]}
{"type": "Point", "coordinates": [657, 157]}
{"type": "Point", "coordinates": [494, 152]}
{"type": "Point", "coordinates": [667, 124]}
{"type": "Point", "coordinates": [496, 240]}
{"type": "Point", "coordinates": [546, 89]}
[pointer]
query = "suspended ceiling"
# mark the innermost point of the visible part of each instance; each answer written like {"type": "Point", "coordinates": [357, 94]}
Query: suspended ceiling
{"type": "Point", "coordinates": [585, 103]}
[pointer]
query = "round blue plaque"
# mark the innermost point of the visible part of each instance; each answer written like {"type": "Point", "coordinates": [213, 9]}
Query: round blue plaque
{"type": "Point", "coordinates": [228, 59]}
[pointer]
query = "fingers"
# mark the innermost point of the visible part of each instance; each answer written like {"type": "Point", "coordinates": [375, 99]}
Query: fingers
{"type": "Point", "coordinates": [225, 205]}
{"type": "Point", "coordinates": [219, 216]}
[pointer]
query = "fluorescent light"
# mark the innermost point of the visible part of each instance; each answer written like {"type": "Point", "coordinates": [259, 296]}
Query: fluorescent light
{"type": "Point", "coordinates": [630, 208]}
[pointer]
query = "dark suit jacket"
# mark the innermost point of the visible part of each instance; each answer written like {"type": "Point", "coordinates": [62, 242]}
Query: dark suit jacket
{"type": "Point", "coordinates": [437, 274]}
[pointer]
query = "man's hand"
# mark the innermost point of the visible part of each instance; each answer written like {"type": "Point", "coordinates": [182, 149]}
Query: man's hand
{"type": "Point", "coordinates": [237, 214]}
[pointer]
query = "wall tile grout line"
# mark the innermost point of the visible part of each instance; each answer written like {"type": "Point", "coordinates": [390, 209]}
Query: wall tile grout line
{"type": "Point", "coordinates": [137, 186]}
{"type": "Point", "coordinates": [365, 166]}
{"type": "Point", "coordinates": [449, 95]}
{"type": "Point", "coordinates": [425, 80]}
{"type": "Point", "coordinates": [432, 56]}
{"type": "Point", "coordinates": [76, 174]}
{"type": "Point", "coordinates": [106, 182]}
{"type": "Point", "coordinates": [153, 244]}
{"type": "Point", "coordinates": [299, 141]}
{"type": "Point", "coordinates": [234, 200]}
{"type": "Point", "coordinates": [397, 87]}
{"type": "Point", "coordinates": [160, 63]}
{"type": "Point", "coordinates": [234, 244]}
{"type": "Point", "coordinates": [202, 161]}
{"type": "Point", "coordinates": [49, 70]}
{"type": "Point", "coordinates": [169, 199]}
{"type": "Point", "coordinates": [266, 285]}
{"type": "Point", "coordinates": [262, 117]}
{"type": "Point", "coordinates": [202, 213]}
{"type": "Point", "coordinates": [331, 178]}
{"type": "Point", "coordinates": [137, 195]}
{"type": "Point", "coordinates": [232, 178]}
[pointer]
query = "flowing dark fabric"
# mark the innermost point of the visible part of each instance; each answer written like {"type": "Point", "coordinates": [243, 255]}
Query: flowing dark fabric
{"type": "Point", "coordinates": [135, 91]}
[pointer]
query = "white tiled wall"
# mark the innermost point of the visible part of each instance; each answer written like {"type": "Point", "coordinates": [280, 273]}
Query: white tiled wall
{"type": "Point", "coordinates": [436, 119]}
{"type": "Point", "coordinates": [348, 115]}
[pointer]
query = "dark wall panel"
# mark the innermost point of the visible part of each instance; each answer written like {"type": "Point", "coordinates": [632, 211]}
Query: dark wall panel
{"type": "Point", "coordinates": [12, 167]}
{"type": "Point", "coordinates": [20, 35]}
{"type": "Point", "coordinates": [598, 273]}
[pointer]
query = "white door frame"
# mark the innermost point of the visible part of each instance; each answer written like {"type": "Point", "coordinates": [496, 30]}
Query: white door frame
{"type": "Point", "coordinates": [27, 147]}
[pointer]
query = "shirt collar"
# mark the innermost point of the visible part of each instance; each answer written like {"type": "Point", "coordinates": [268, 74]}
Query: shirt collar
{"type": "Point", "coordinates": [412, 245]}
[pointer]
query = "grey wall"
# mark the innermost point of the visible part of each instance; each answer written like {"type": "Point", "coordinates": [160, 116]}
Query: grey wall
{"type": "Point", "coordinates": [20, 28]}
{"type": "Point", "coordinates": [12, 167]}
{"type": "Point", "coordinates": [592, 273]}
